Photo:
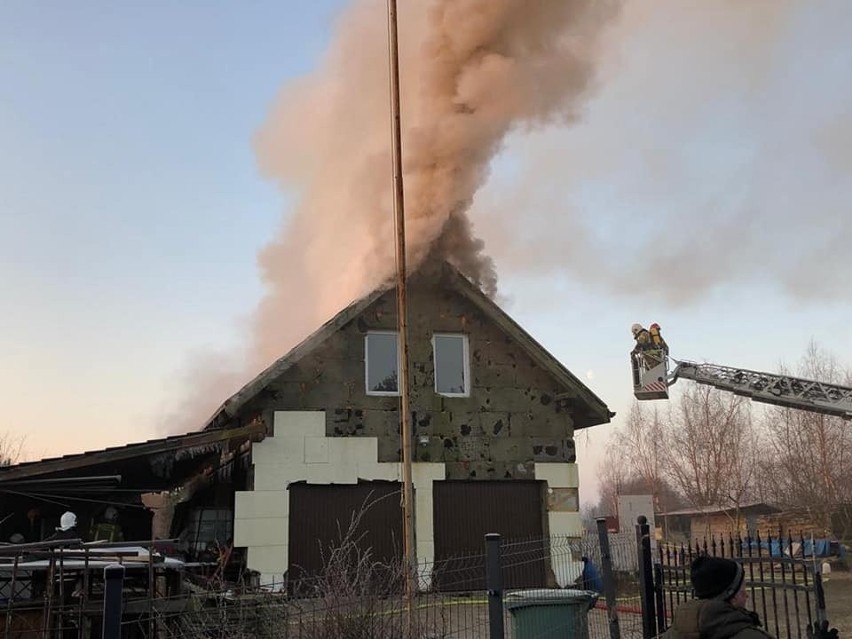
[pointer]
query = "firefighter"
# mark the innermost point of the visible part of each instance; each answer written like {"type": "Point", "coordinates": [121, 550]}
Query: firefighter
{"type": "Point", "coordinates": [657, 339]}
{"type": "Point", "coordinates": [67, 528]}
{"type": "Point", "coordinates": [644, 352]}
{"type": "Point", "coordinates": [109, 529]}
{"type": "Point", "coordinates": [642, 337]}
{"type": "Point", "coordinates": [643, 340]}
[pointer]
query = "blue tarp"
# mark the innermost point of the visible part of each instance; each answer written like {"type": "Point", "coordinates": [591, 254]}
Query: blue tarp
{"type": "Point", "coordinates": [781, 547]}
{"type": "Point", "coordinates": [821, 546]}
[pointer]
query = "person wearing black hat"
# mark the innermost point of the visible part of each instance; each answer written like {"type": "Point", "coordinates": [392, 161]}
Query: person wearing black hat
{"type": "Point", "coordinates": [718, 612]}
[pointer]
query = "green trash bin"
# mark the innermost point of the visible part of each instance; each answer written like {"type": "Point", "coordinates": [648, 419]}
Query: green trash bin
{"type": "Point", "coordinates": [549, 613]}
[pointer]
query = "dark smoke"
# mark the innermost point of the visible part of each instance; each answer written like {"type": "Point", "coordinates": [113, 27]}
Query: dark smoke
{"type": "Point", "coordinates": [472, 72]}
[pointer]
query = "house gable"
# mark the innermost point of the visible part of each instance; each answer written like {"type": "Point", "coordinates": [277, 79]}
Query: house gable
{"type": "Point", "coordinates": [523, 406]}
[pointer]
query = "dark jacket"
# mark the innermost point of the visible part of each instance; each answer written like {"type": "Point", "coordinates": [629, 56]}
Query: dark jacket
{"type": "Point", "coordinates": [714, 619]}
{"type": "Point", "coordinates": [71, 533]}
{"type": "Point", "coordinates": [643, 341]}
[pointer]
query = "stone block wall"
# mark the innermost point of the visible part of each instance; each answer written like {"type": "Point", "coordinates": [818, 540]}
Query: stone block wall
{"type": "Point", "coordinates": [300, 450]}
{"type": "Point", "coordinates": [511, 421]}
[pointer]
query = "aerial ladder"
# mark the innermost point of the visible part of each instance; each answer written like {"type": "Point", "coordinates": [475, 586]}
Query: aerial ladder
{"type": "Point", "coordinates": [652, 379]}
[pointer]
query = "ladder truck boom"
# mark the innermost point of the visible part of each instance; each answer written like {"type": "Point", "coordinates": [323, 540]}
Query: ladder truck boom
{"type": "Point", "coordinates": [652, 379]}
{"type": "Point", "coordinates": [780, 390]}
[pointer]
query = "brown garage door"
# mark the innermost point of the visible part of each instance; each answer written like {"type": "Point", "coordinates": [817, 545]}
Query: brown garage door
{"type": "Point", "coordinates": [464, 511]}
{"type": "Point", "coordinates": [321, 515]}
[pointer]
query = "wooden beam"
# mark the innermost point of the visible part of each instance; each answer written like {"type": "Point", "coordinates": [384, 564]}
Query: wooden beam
{"type": "Point", "coordinates": [255, 430]}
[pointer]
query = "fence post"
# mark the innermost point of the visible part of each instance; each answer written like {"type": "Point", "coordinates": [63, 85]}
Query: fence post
{"type": "Point", "coordinates": [820, 597]}
{"type": "Point", "coordinates": [113, 583]}
{"type": "Point", "coordinates": [494, 585]}
{"type": "Point", "coordinates": [608, 579]}
{"type": "Point", "coordinates": [646, 578]}
{"type": "Point", "coordinates": [658, 596]}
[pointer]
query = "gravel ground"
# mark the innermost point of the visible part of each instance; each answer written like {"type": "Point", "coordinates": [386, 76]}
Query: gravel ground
{"type": "Point", "coordinates": [838, 602]}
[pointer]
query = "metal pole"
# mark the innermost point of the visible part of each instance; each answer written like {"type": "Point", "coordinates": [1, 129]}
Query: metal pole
{"type": "Point", "coordinates": [659, 602]}
{"type": "Point", "coordinates": [608, 579]}
{"type": "Point", "coordinates": [646, 578]}
{"type": "Point", "coordinates": [820, 597]}
{"type": "Point", "coordinates": [113, 582]}
{"type": "Point", "coordinates": [48, 599]}
{"type": "Point", "coordinates": [494, 585]}
{"type": "Point", "coordinates": [12, 595]}
{"type": "Point", "coordinates": [402, 310]}
{"type": "Point", "coordinates": [83, 620]}
{"type": "Point", "coordinates": [151, 591]}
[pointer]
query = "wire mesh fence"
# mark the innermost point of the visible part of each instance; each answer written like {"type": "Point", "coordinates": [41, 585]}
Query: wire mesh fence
{"type": "Point", "coordinates": [353, 596]}
{"type": "Point", "coordinates": [623, 550]}
{"type": "Point", "coordinates": [340, 607]}
{"type": "Point", "coordinates": [55, 592]}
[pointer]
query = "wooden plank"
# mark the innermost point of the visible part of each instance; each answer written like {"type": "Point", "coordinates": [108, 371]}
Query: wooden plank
{"type": "Point", "coordinates": [142, 449]}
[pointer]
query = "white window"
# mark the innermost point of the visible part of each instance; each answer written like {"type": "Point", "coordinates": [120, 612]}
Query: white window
{"type": "Point", "coordinates": [381, 359]}
{"type": "Point", "coordinates": [452, 365]}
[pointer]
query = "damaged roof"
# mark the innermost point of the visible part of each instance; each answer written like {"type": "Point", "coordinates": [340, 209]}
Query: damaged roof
{"type": "Point", "coordinates": [188, 446]}
{"type": "Point", "coordinates": [596, 411]}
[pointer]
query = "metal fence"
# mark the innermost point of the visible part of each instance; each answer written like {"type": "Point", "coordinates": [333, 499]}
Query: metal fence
{"type": "Point", "coordinates": [348, 601]}
{"type": "Point", "coordinates": [454, 600]}
{"type": "Point", "coordinates": [782, 578]}
{"type": "Point", "coordinates": [624, 553]}
{"type": "Point", "coordinates": [56, 591]}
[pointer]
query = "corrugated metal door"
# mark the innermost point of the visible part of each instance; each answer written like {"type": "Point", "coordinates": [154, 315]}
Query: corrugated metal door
{"type": "Point", "coordinates": [321, 515]}
{"type": "Point", "coordinates": [464, 511]}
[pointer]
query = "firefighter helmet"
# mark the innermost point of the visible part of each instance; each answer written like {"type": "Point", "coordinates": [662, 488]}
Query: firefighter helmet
{"type": "Point", "coordinates": [67, 521]}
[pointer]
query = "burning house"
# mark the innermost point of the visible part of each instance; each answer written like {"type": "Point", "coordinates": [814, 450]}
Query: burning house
{"type": "Point", "coordinates": [493, 416]}
{"type": "Point", "coordinates": [313, 442]}
{"type": "Point", "coordinates": [287, 461]}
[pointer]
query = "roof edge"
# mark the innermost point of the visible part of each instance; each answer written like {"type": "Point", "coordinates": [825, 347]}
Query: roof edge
{"type": "Point", "coordinates": [531, 345]}
{"type": "Point", "coordinates": [598, 412]}
{"type": "Point", "coordinates": [117, 453]}
{"type": "Point", "coordinates": [231, 406]}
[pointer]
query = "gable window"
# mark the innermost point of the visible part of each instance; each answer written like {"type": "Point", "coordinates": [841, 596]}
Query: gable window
{"type": "Point", "coordinates": [452, 365]}
{"type": "Point", "coordinates": [381, 360]}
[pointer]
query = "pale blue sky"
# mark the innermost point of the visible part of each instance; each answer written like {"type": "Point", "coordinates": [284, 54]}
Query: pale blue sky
{"type": "Point", "coordinates": [131, 209]}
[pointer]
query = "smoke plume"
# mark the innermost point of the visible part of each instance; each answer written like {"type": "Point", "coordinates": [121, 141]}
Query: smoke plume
{"type": "Point", "coordinates": [715, 156]}
{"type": "Point", "coordinates": [471, 72]}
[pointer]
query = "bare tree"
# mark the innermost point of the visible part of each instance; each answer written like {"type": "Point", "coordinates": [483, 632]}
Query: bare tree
{"type": "Point", "coordinates": [702, 451]}
{"type": "Point", "coordinates": [11, 449]}
{"type": "Point", "coordinates": [642, 442]}
{"type": "Point", "coordinates": [612, 474]}
{"type": "Point", "coordinates": [810, 463]}
{"type": "Point", "coordinates": [634, 463]}
{"type": "Point", "coordinates": [711, 447]}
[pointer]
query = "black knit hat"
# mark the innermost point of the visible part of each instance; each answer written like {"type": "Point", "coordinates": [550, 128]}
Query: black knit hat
{"type": "Point", "coordinates": [716, 578]}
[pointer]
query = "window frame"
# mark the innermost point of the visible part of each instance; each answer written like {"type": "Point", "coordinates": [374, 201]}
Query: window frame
{"type": "Point", "coordinates": [465, 363]}
{"type": "Point", "coordinates": [367, 389]}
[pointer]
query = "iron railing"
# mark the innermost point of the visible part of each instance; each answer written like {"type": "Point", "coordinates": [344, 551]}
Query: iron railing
{"type": "Point", "coordinates": [782, 578]}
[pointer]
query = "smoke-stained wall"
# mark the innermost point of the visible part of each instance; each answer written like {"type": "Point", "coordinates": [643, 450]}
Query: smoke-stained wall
{"type": "Point", "coordinates": [512, 419]}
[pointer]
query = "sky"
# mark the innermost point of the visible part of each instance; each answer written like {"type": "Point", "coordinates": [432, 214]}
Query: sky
{"type": "Point", "coordinates": [704, 185]}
